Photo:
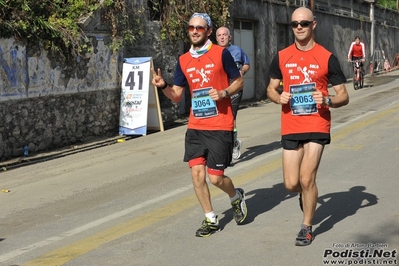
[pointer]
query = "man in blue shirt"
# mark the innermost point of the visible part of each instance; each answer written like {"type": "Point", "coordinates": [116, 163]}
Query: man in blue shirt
{"type": "Point", "coordinates": [223, 38]}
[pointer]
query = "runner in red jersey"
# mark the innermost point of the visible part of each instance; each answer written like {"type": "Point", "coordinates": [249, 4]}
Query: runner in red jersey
{"type": "Point", "coordinates": [207, 70]}
{"type": "Point", "coordinates": [305, 68]}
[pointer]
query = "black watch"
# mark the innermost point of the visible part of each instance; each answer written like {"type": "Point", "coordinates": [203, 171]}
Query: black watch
{"type": "Point", "coordinates": [164, 87]}
{"type": "Point", "coordinates": [226, 94]}
{"type": "Point", "coordinates": [329, 102]}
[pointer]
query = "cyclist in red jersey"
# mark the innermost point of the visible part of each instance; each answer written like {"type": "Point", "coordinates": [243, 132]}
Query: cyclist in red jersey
{"type": "Point", "coordinates": [357, 51]}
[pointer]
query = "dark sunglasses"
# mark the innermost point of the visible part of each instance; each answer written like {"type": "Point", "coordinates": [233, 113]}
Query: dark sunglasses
{"type": "Point", "coordinates": [198, 28]}
{"type": "Point", "coordinates": [303, 23]}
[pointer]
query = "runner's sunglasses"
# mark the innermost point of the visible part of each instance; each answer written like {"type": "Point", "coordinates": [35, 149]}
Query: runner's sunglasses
{"type": "Point", "coordinates": [200, 29]}
{"type": "Point", "coordinates": [303, 23]}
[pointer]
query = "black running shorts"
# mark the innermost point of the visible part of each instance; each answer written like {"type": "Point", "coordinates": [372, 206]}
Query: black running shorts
{"type": "Point", "coordinates": [294, 141]}
{"type": "Point", "coordinates": [215, 146]}
{"type": "Point", "coordinates": [235, 102]}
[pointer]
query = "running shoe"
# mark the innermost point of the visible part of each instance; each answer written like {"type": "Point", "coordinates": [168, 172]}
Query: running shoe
{"type": "Point", "coordinates": [208, 228]}
{"type": "Point", "coordinates": [305, 236]}
{"type": "Point", "coordinates": [236, 149]}
{"type": "Point", "coordinates": [239, 207]}
{"type": "Point", "coordinates": [300, 202]}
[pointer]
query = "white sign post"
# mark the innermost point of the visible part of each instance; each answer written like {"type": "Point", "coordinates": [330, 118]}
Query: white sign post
{"type": "Point", "coordinates": [140, 109]}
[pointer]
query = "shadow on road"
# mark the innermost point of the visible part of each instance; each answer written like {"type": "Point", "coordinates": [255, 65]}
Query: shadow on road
{"type": "Point", "coordinates": [380, 78]}
{"type": "Point", "coordinates": [260, 201]}
{"type": "Point", "coordinates": [364, 87]}
{"type": "Point", "coordinates": [388, 232]}
{"type": "Point", "coordinates": [255, 151]}
{"type": "Point", "coordinates": [335, 207]}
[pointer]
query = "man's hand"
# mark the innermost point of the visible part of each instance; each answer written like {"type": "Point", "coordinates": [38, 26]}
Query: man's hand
{"type": "Point", "coordinates": [157, 79]}
{"type": "Point", "coordinates": [285, 97]}
{"type": "Point", "coordinates": [319, 98]}
{"type": "Point", "coordinates": [217, 95]}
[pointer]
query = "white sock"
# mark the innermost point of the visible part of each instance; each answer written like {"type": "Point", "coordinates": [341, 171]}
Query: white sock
{"type": "Point", "coordinates": [211, 216]}
{"type": "Point", "coordinates": [236, 196]}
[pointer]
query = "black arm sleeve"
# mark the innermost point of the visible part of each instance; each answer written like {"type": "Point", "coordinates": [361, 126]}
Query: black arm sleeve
{"type": "Point", "coordinates": [335, 74]}
{"type": "Point", "coordinates": [274, 69]}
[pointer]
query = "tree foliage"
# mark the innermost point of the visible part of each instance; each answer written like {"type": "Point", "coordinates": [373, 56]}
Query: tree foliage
{"type": "Point", "coordinates": [57, 24]}
{"type": "Point", "coordinates": [54, 22]}
{"type": "Point", "coordinates": [391, 4]}
{"type": "Point", "coordinates": [175, 14]}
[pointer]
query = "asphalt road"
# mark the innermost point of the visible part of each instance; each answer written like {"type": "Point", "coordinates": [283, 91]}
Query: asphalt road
{"type": "Point", "coordinates": [132, 203]}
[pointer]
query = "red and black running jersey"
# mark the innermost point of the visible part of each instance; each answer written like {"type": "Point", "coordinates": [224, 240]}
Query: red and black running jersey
{"type": "Point", "coordinates": [211, 69]}
{"type": "Point", "coordinates": [295, 68]}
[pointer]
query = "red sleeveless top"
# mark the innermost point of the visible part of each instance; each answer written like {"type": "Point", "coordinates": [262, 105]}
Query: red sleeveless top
{"type": "Point", "coordinates": [201, 73]}
{"type": "Point", "coordinates": [304, 67]}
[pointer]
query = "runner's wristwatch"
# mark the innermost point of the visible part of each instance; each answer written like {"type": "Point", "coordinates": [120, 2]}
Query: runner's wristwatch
{"type": "Point", "coordinates": [226, 94]}
{"type": "Point", "coordinates": [329, 102]}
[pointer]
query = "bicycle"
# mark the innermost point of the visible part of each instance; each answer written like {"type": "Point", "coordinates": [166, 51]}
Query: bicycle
{"type": "Point", "coordinates": [358, 77]}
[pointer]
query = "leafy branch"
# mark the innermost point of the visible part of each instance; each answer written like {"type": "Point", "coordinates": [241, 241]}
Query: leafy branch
{"type": "Point", "coordinates": [57, 25]}
{"type": "Point", "coordinates": [175, 14]}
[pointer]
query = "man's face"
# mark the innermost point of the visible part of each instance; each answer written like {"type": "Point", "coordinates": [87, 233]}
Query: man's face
{"type": "Point", "coordinates": [222, 37]}
{"type": "Point", "coordinates": [304, 31]}
{"type": "Point", "coordinates": [198, 32]}
{"type": "Point", "coordinates": [357, 41]}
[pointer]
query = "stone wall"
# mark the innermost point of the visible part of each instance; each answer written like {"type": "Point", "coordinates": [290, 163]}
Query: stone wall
{"type": "Point", "coordinates": [28, 72]}
{"type": "Point", "coordinates": [165, 57]}
{"type": "Point", "coordinates": [57, 121]}
{"type": "Point", "coordinates": [47, 102]}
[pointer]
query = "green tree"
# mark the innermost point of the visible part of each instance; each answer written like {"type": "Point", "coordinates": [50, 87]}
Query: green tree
{"type": "Point", "coordinates": [175, 14]}
{"type": "Point", "coordinates": [57, 24]}
{"type": "Point", "coordinates": [391, 4]}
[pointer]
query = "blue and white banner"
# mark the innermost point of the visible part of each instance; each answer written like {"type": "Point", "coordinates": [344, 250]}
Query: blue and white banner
{"type": "Point", "coordinates": [134, 96]}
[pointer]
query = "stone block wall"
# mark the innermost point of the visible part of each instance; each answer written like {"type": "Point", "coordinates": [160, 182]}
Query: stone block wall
{"type": "Point", "coordinates": [57, 121]}
{"type": "Point", "coordinates": [48, 103]}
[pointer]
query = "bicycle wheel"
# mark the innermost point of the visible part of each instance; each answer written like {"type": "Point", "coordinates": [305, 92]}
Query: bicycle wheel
{"type": "Point", "coordinates": [355, 83]}
{"type": "Point", "coordinates": [361, 81]}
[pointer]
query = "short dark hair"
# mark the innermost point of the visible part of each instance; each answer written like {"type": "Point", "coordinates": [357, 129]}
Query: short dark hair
{"type": "Point", "coordinates": [357, 37]}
